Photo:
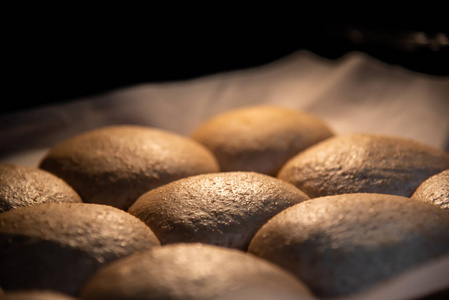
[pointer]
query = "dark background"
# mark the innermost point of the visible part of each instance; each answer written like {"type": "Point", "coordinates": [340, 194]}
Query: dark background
{"type": "Point", "coordinates": [50, 63]}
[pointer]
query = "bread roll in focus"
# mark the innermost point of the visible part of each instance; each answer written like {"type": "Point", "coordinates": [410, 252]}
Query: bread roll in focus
{"type": "Point", "coordinates": [224, 209]}
{"type": "Point", "coordinates": [23, 186]}
{"type": "Point", "coordinates": [435, 190]}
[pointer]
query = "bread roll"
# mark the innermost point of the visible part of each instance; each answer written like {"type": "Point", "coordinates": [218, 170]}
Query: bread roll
{"type": "Point", "coordinates": [260, 138]}
{"type": "Point", "coordinates": [341, 244]}
{"type": "Point", "coordinates": [58, 246]}
{"type": "Point", "coordinates": [115, 165]}
{"type": "Point", "coordinates": [193, 271]}
{"type": "Point", "coordinates": [435, 190]}
{"type": "Point", "coordinates": [224, 209]}
{"type": "Point", "coordinates": [364, 163]}
{"type": "Point", "coordinates": [22, 186]}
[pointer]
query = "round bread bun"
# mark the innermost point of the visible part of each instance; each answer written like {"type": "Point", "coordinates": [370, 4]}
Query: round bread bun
{"type": "Point", "coordinates": [35, 295]}
{"type": "Point", "coordinates": [260, 138]}
{"type": "Point", "coordinates": [364, 163]}
{"type": "Point", "coordinates": [115, 165]}
{"type": "Point", "coordinates": [224, 209]}
{"type": "Point", "coordinates": [23, 186]}
{"type": "Point", "coordinates": [58, 246]}
{"type": "Point", "coordinates": [342, 244]}
{"type": "Point", "coordinates": [193, 271]}
{"type": "Point", "coordinates": [435, 190]}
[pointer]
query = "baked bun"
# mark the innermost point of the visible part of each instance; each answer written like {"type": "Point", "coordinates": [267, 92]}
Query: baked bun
{"type": "Point", "coordinates": [260, 138]}
{"type": "Point", "coordinates": [193, 271]}
{"type": "Point", "coordinates": [341, 244]}
{"type": "Point", "coordinates": [364, 163]}
{"type": "Point", "coordinates": [435, 190]}
{"type": "Point", "coordinates": [22, 186]}
{"type": "Point", "coordinates": [224, 209]}
{"type": "Point", "coordinates": [36, 295]}
{"type": "Point", "coordinates": [58, 246]}
{"type": "Point", "coordinates": [115, 165]}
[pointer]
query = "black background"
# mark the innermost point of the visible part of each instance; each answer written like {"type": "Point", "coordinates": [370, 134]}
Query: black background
{"type": "Point", "coordinates": [55, 61]}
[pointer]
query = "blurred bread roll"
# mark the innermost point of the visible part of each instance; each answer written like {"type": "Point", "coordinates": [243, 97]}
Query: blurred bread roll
{"type": "Point", "coordinates": [115, 165]}
{"type": "Point", "coordinates": [260, 138]}
{"type": "Point", "coordinates": [341, 244]}
{"type": "Point", "coordinates": [23, 186]}
{"type": "Point", "coordinates": [364, 163]}
{"type": "Point", "coordinates": [224, 209]}
{"type": "Point", "coordinates": [193, 271]}
{"type": "Point", "coordinates": [58, 246]}
{"type": "Point", "coordinates": [435, 190]}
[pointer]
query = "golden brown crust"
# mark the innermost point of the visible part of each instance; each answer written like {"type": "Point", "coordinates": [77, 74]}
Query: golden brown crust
{"type": "Point", "coordinates": [115, 165]}
{"type": "Point", "coordinates": [193, 271]}
{"type": "Point", "coordinates": [23, 186]}
{"type": "Point", "coordinates": [58, 246]}
{"type": "Point", "coordinates": [341, 244]}
{"type": "Point", "coordinates": [261, 138]}
{"type": "Point", "coordinates": [364, 163]}
{"type": "Point", "coordinates": [224, 209]}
